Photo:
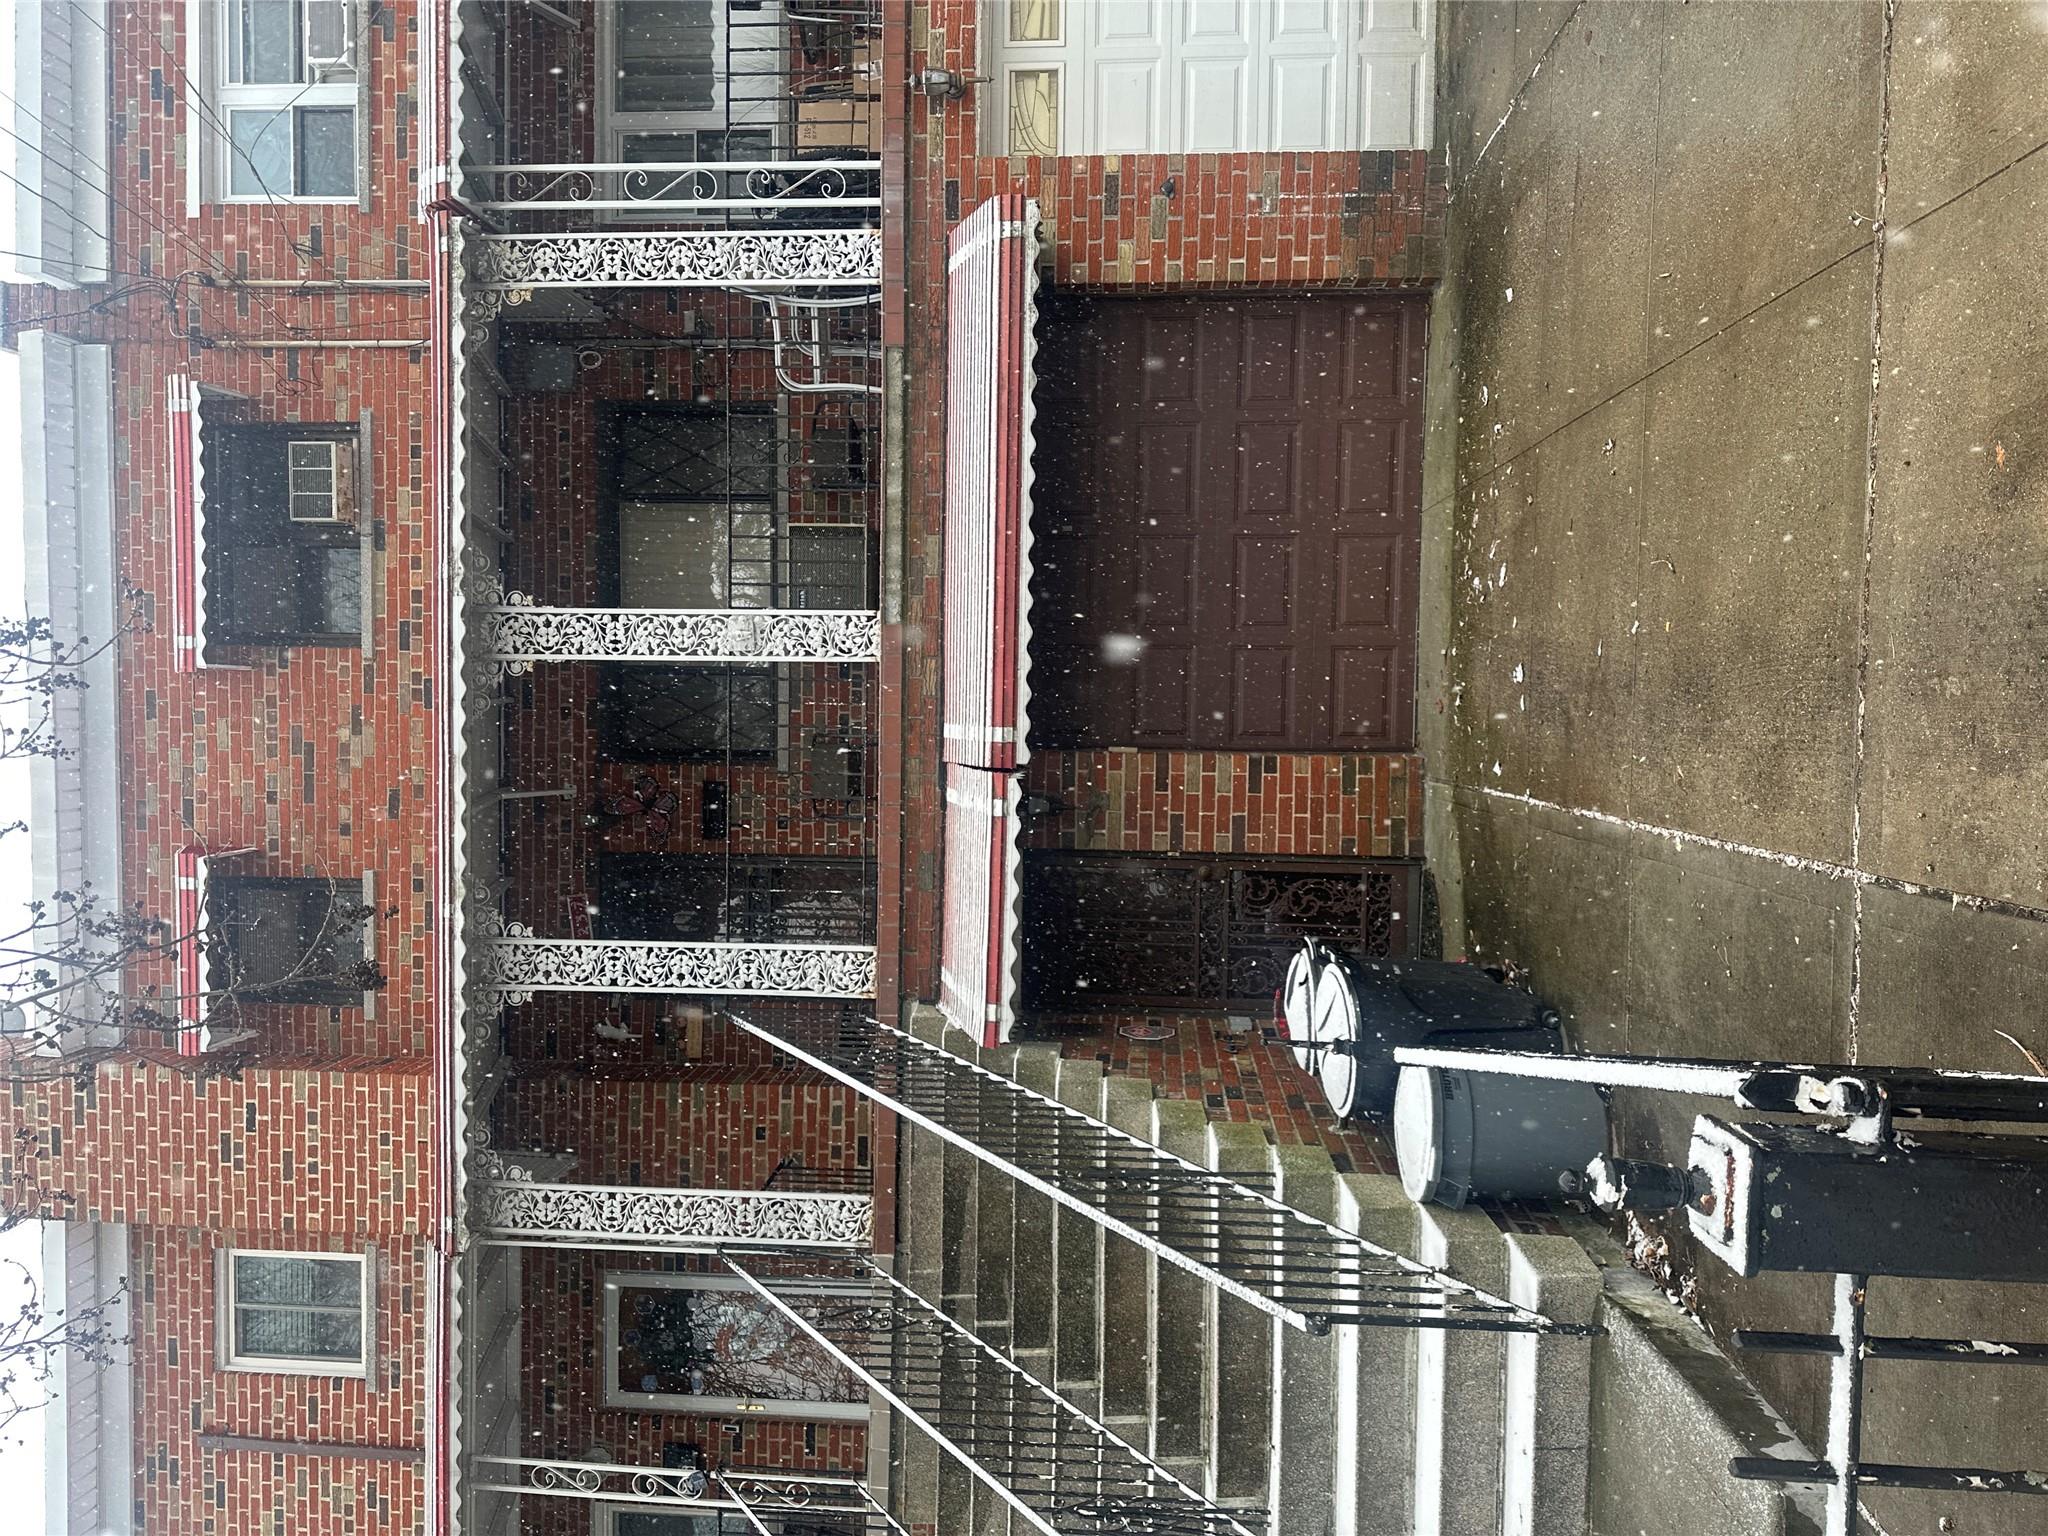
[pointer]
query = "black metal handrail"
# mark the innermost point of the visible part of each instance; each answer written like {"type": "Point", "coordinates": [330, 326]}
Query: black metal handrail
{"type": "Point", "coordinates": [1240, 1239]}
{"type": "Point", "coordinates": [1060, 1471]}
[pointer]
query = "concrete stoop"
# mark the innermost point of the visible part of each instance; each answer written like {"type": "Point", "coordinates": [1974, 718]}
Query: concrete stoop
{"type": "Point", "coordinates": [1668, 1411]}
{"type": "Point", "coordinates": [1367, 1431]}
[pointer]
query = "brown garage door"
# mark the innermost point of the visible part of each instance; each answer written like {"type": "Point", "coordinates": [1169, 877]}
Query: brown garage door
{"type": "Point", "coordinates": [1225, 521]}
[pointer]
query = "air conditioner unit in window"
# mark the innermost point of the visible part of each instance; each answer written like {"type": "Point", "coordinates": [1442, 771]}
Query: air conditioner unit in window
{"type": "Point", "coordinates": [326, 38]}
{"type": "Point", "coordinates": [321, 475]}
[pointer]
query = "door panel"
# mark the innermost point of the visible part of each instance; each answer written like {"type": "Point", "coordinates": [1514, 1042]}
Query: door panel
{"type": "Point", "coordinates": [1227, 507]}
{"type": "Point", "coordinates": [1196, 76]}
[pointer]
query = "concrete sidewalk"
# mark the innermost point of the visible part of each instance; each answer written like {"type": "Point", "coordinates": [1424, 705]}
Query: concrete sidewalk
{"type": "Point", "coordinates": [1736, 573]}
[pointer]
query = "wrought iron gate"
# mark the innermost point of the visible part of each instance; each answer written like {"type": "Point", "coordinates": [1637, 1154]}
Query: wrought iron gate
{"type": "Point", "coordinates": [1196, 931]}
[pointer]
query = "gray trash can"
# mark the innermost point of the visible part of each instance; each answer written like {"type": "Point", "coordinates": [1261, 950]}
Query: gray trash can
{"type": "Point", "coordinates": [1345, 1016]}
{"type": "Point", "coordinates": [1478, 1135]}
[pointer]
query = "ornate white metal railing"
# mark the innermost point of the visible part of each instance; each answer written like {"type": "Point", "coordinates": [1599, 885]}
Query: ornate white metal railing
{"type": "Point", "coordinates": [754, 1496]}
{"type": "Point", "coordinates": [519, 632]}
{"type": "Point", "coordinates": [675, 185]}
{"type": "Point", "coordinates": [511, 1205]}
{"type": "Point", "coordinates": [513, 964]}
{"type": "Point", "coordinates": [712, 258]}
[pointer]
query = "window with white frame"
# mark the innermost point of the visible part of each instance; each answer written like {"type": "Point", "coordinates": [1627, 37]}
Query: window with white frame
{"type": "Point", "coordinates": [695, 1343]}
{"type": "Point", "coordinates": [299, 1313]}
{"type": "Point", "coordinates": [692, 80]}
{"type": "Point", "coordinates": [282, 98]}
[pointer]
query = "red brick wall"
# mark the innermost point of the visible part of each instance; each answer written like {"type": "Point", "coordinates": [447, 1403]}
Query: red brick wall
{"type": "Point", "coordinates": [318, 759]}
{"type": "Point", "coordinates": [708, 1127]}
{"type": "Point", "coordinates": [305, 1146]}
{"type": "Point", "coordinates": [555, 516]}
{"type": "Point", "coordinates": [1331, 804]}
{"type": "Point", "coordinates": [190, 1491]}
{"type": "Point", "coordinates": [1371, 220]}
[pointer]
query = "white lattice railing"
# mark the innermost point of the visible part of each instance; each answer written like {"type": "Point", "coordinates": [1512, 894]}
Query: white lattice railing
{"type": "Point", "coordinates": [820, 258]}
{"type": "Point", "coordinates": [752, 1496]}
{"type": "Point", "coordinates": [514, 965]}
{"type": "Point", "coordinates": [520, 633]}
{"type": "Point", "coordinates": [607, 1215]}
{"type": "Point", "coordinates": [675, 185]}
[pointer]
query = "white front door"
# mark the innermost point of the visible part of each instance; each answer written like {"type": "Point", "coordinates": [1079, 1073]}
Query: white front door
{"type": "Point", "coordinates": [1102, 77]}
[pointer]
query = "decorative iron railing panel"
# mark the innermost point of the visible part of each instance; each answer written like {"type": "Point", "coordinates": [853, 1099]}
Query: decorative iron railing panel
{"type": "Point", "coordinates": [676, 186]}
{"type": "Point", "coordinates": [601, 1215]}
{"type": "Point", "coordinates": [824, 258]}
{"type": "Point", "coordinates": [520, 633]}
{"type": "Point", "coordinates": [1303, 1271]}
{"type": "Point", "coordinates": [1061, 1472]}
{"type": "Point", "coordinates": [780, 1504]}
{"type": "Point", "coordinates": [516, 965]}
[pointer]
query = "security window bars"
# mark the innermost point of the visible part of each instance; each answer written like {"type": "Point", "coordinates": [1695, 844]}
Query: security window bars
{"type": "Point", "coordinates": [285, 99]}
{"type": "Point", "coordinates": [302, 1313]}
{"type": "Point", "coordinates": [622, 1520]}
{"type": "Point", "coordinates": [284, 941]}
{"type": "Point", "coordinates": [659, 714]}
{"type": "Point", "coordinates": [285, 558]}
{"type": "Point", "coordinates": [707, 898]}
{"type": "Point", "coordinates": [827, 566]}
{"type": "Point", "coordinates": [695, 455]}
{"type": "Point", "coordinates": [687, 66]}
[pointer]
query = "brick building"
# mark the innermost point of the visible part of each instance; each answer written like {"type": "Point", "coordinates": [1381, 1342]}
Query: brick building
{"type": "Point", "coordinates": [539, 443]}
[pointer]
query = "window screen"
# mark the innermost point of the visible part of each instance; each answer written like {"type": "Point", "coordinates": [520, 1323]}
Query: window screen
{"type": "Point", "coordinates": [296, 1309]}
{"type": "Point", "coordinates": [284, 940]}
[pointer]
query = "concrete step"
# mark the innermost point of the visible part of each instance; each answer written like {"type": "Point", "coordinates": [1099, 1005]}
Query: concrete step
{"type": "Point", "coordinates": [1373, 1449]}
{"type": "Point", "coordinates": [1181, 1430]}
{"type": "Point", "coordinates": [1547, 1391]}
{"type": "Point", "coordinates": [1301, 1472]}
{"type": "Point", "coordinates": [1458, 1378]}
{"type": "Point", "coordinates": [1125, 1344]}
{"type": "Point", "coordinates": [1668, 1410]}
{"type": "Point", "coordinates": [915, 1460]}
{"type": "Point", "coordinates": [1239, 1381]}
{"type": "Point", "coordinates": [1366, 1431]}
{"type": "Point", "coordinates": [1077, 1249]}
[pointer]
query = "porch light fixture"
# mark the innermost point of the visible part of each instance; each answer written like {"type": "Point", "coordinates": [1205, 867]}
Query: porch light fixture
{"type": "Point", "coordinates": [944, 85]}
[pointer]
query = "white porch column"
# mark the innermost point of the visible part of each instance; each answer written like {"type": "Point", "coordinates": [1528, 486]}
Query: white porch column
{"type": "Point", "coordinates": [508, 1204]}
{"type": "Point", "coordinates": [513, 629]}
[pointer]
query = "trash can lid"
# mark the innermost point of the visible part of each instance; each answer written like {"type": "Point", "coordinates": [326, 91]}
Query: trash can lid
{"type": "Point", "coordinates": [1297, 1000]}
{"type": "Point", "coordinates": [1418, 1131]}
{"type": "Point", "coordinates": [1335, 1014]}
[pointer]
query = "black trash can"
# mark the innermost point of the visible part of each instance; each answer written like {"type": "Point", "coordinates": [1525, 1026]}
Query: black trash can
{"type": "Point", "coordinates": [1349, 1014]}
